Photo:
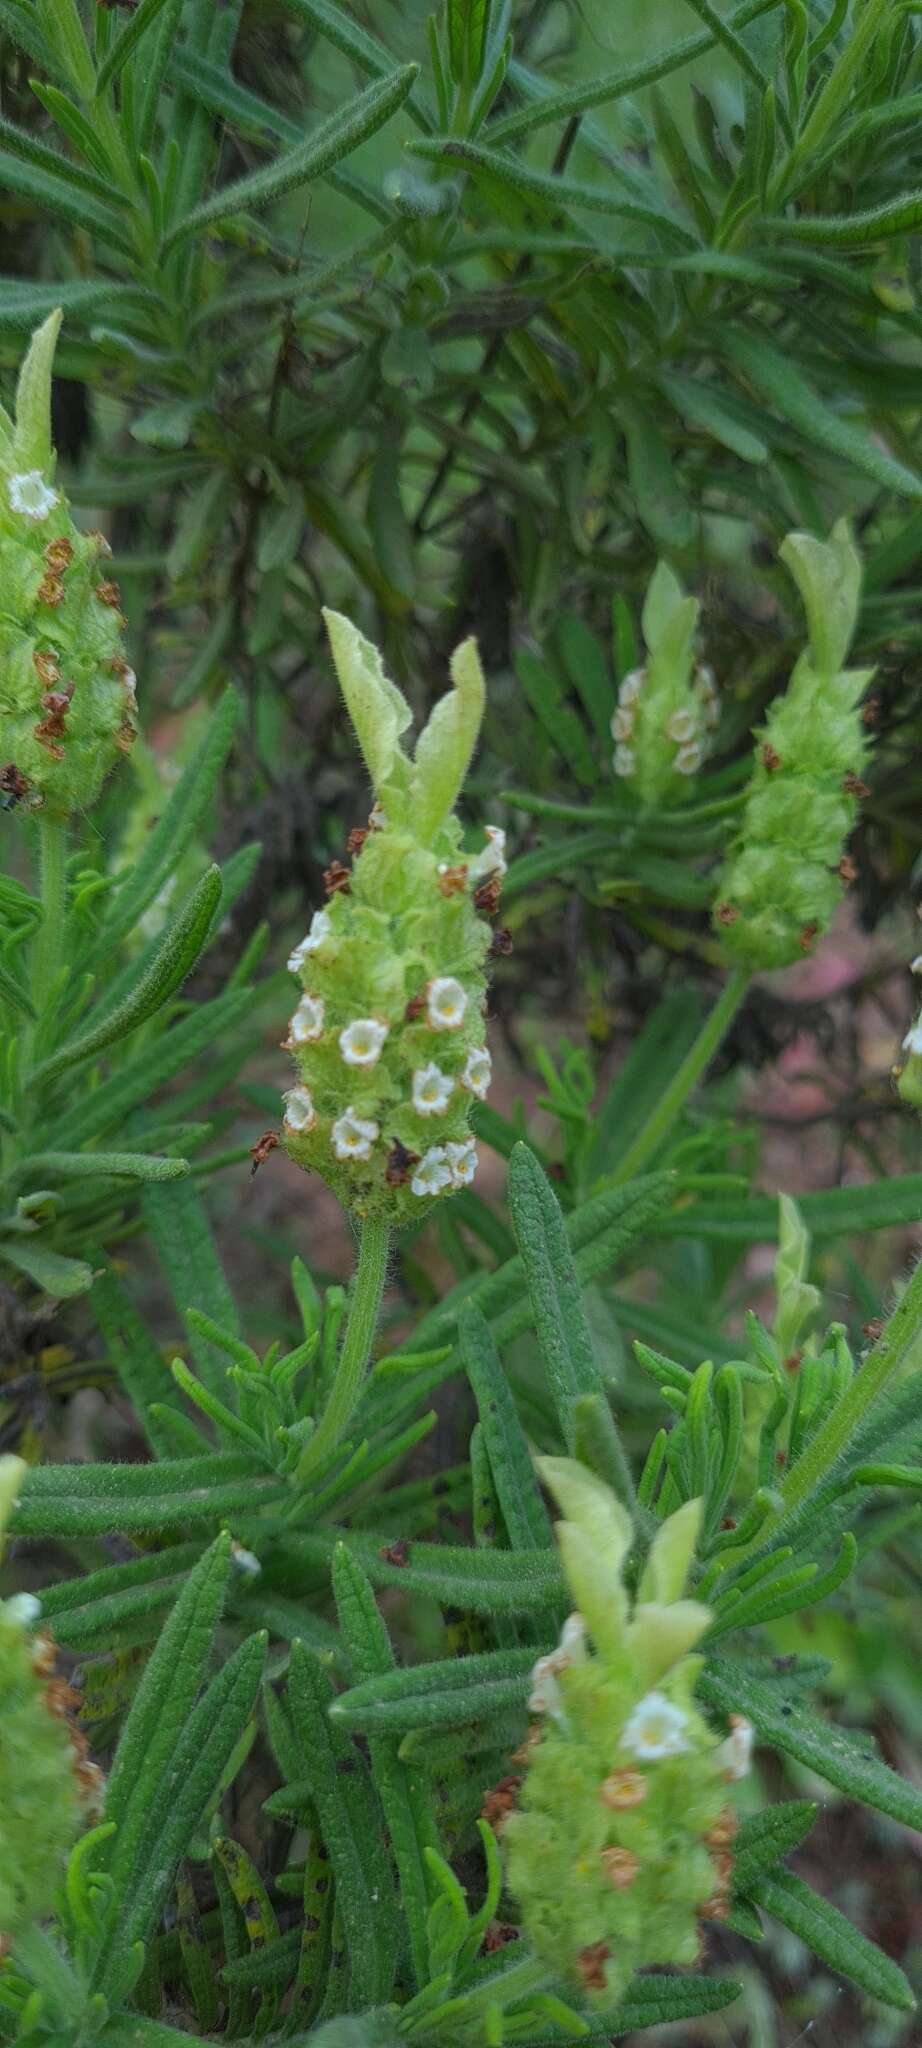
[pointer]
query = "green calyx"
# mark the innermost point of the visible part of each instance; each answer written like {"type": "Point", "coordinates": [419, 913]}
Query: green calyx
{"type": "Point", "coordinates": [620, 1846]}
{"type": "Point", "coordinates": [667, 709]}
{"type": "Point", "coordinates": [389, 1032]}
{"type": "Point", "coordinates": [781, 886]}
{"type": "Point", "coordinates": [67, 693]}
{"type": "Point", "coordinates": [45, 1782]}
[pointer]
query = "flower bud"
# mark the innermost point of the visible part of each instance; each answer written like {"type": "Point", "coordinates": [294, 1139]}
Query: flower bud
{"type": "Point", "coordinates": [620, 1844]}
{"type": "Point", "coordinates": [667, 709]}
{"type": "Point", "coordinates": [68, 693]}
{"type": "Point", "coordinates": [388, 1033]}
{"type": "Point", "coordinates": [49, 1788]}
{"type": "Point", "coordinates": [781, 886]}
{"type": "Point", "coordinates": [908, 1075]}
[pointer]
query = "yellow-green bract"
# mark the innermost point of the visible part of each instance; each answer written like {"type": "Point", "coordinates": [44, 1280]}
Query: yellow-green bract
{"type": "Point", "coordinates": [622, 1842]}
{"type": "Point", "coordinates": [389, 1031]}
{"type": "Point", "coordinates": [67, 693]}
{"type": "Point", "coordinates": [779, 890]}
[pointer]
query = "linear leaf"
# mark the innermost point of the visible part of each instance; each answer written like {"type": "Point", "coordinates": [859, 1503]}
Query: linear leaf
{"type": "Point", "coordinates": [834, 1753]}
{"type": "Point", "coordinates": [765, 1837]}
{"type": "Point", "coordinates": [657, 2001]}
{"type": "Point", "coordinates": [446, 1694]}
{"type": "Point", "coordinates": [20, 143]}
{"type": "Point", "coordinates": [137, 1081]}
{"type": "Point", "coordinates": [853, 230]}
{"type": "Point", "coordinates": [148, 1166]}
{"type": "Point", "coordinates": [778, 381]}
{"type": "Point", "coordinates": [552, 192]}
{"type": "Point", "coordinates": [556, 1300]}
{"type": "Point", "coordinates": [350, 1822]}
{"type": "Point", "coordinates": [52, 1271]}
{"type": "Point", "coordinates": [176, 954]}
{"type": "Point", "coordinates": [187, 1253]}
{"type": "Point", "coordinates": [337, 138]}
{"type": "Point", "coordinates": [836, 1212]}
{"type": "Point", "coordinates": [63, 198]}
{"type": "Point", "coordinates": [523, 1510]}
{"type": "Point", "coordinates": [99, 1500]}
{"type": "Point", "coordinates": [121, 48]}
{"type": "Point", "coordinates": [481, 1581]}
{"type": "Point", "coordinates": [834, 1939]}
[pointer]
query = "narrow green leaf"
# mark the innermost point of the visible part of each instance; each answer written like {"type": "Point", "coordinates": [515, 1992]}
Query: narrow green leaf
{"type": "Point", "coordinates": [834, 1753]}
{"type": "Point", "coordinates": [125, 42]}
{"type": "Point", "coordinates": [58, 1276]}
{"type": "Point", "coordinates": [523, 1510]}
{"type": "Point", "coordinates": [350, 1822]}
{"type": "Point", "coordinates": [99, 1500]}
{"type": "Point", "coordinates": [20, 143]}
{"type": "Point", "coordinates": [765, 1837]}
{"type": "Point", "coordinates": [186, 1249]}
{"type": "Point", "coordinates": [561, 723]}
{"type": "Point", "coordinates": [481, 1581]}
{"type": "Point", "coordinates": [446, 1694]}
{"type": "Point", "coordinates": [587, 668]}
{"type": "Point", "coordinates": [700, 405]}
{"type": "Point", "coordinates": [176, 954]}
{"type": "Point", "coordinates": [660, 500]}
{"type": "Point", "coordinates": [836, 1212]}
{"type": "Point", "coordinates": [560, 1321]}
{"type": "Point", "coordinates": [554, 193]}
{"type": "Point", "coordinates": [659, 2001]}
{"type": "Point", "coordinates": [777, 380]}
{"type": "Point", "coordinates": [67, 1166]}
{"type": "Point", "coordinates": [834, 1939]}
{"type": "Point", "coordinates": [337, 138]}
{"type": "Point", "coordinates": [137, 1081]}
{"type": "Point", "coordinates": [64, 198]}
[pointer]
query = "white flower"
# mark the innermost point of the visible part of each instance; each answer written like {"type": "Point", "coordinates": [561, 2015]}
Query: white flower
{"type": "Point", "coordinates": [492, 859]}
{"type": "Point", "coordinates": [320, 929]}
{"type": "Point", "coordinates": [432, 1174]}
{"type": "Point", "coordinates": [307, 1022]}
{"type": "Point", "coordinates": [631, 685]}
{"type": "Point", "coordinates": [915, 966]}
{"type": "Point", "coordinates": [130, 683]}
{"type": "Point", "coordinates": [462, 1160]}
{"type": "Point", "coordinates": [353, 1136]}
{"type": "Point", "coordinates": [23, 1607]}
{"type": "Point", "coordinates": [361, 1041]}
{"type": "Point", "coordinates": [623, 760]}
{"type": "Point", "coordinates": [688, 759]}
{"type": "Point", "coordinates": [622, 724]}
{"type": "Point", "coordinates": [446, 1003]}
{"type": "Point", "coordinates": [245, 1561]}
{"type": "Point", "coordinates": [735, 1755]}
{"type": "Point", "coordinates": [300, 1114]}
{"type": "Point", "coordinates": [573, 1639]}
{"type": "Point", "coordinates": [545, 1696]}
{"type": "Point", "coordinates": [681, 726]}
{"type": "Point", "coordinates": [478, 1071]}
{"type": "Point", "coordinates": [431, 1090]}
{"type": "Point", "coordinates": [655, 1729]}
{"type": "Point", "coordinates": [30, 495]}
{"type": "Point", "coordinates": [913, 1039]}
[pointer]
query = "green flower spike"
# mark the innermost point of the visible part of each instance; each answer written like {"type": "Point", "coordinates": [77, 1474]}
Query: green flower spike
{"type": "Point", "coordinates": [47, 1787]}
{"type": "Point", "coordinates": [621, 1843]}
{"type": "Point", "coordinates": [780, 889]}
{"type": "Point", "coordinates": [666, 710]}
{"type": "Point", "coordinates": [388, 1036]}
{"type": "Point", "coordinates": [67, 693]}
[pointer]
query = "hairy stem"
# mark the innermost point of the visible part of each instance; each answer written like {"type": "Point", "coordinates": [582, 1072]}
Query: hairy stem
{"type": "Point", "coordinates": [364, 1306]}
{"type": "Point", "coordinates": [673, 1100]}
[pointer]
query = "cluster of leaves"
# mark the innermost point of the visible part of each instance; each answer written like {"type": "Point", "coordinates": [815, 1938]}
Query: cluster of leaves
{"type": "Point", "coordinates": [495, 329]}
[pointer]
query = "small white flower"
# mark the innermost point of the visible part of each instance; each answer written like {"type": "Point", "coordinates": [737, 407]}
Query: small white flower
{"type": "Point", "coordinates": [378, 820]}
{"type": "Point", "coordinates": [631, 685]}
{"type": "Point", "coordinates": [492, 859]}
{"type": "Point", "coordinates": [573, 1639]}
{"type": "Point", "coordinates": [320, 929]}
{"type": "Point", "coordinates": [130, 683]}
{"type": "Point", "coordinates": [431, 1090]}
{"type": "Point", "coordinates": [307, 1022]}
{"type": "Point", "coordinates": [623, 761]}
{"type": "Point", "coordinates": [545, 1696]}
{"type": "Point", "coordinates": [622, 724]}
{"type": "Point", "coordinates": [432, 1174]}
{"type": "Point", "coordinates": [915, 966]}
{"type": "Point", "coordinates": [446, 1003]}
{"type": "Point", "coordinates": [30, 495]}
{"type": "Point", "coordinates": [245, 1561]}
{"type": "Point", "coordinates": [478, 1071]}
{"type": "Point", "coordinates": [688, 759]}
{"type": "Point", "coordinates": [23, 1607]}
{"type": "Point", "coordinates": [913, 1039]}
{"type": "Point", "coordinates": [361, 1041]}
{"type": "Point", "coordinates": [353, 1136]}
{"type": "Point", "coordinates": [735, 1755]}
{"type": "Point", "coordinates": [655, 1729]}
{"type": "Point", "coordinates": [681, 726]}
{"type": "Point", "coordinates": [300, 1114]}
{"type": "Point", "coordinates": [462, 1160]}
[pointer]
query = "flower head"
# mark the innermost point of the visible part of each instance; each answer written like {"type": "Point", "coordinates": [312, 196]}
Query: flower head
{"type": "Point", "coordinates": [353, 1136]}
{"type": "Point", "coordinates": [361, 1041]}
{"type": "Point", "coordinates": [30, 495]}
{"type": "Point", "coordinates": [307, 1022]}
{"type": "Point", "coordinates": [446, 1003]}
{"type": "Point", "coordinates": [433, 1172]}
{"type": "Point", "coordinates": [432, 1090]}
{"type": "Point", "coordinates": [477, 1072]}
